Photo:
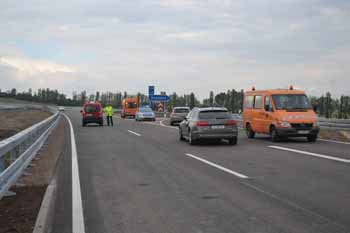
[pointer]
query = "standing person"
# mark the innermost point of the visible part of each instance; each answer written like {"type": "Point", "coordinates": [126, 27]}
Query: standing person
{"type": "Point", "coordinates": [109, 113]}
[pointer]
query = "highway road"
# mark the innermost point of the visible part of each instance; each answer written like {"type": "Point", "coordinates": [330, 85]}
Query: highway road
{"type": "Point", "coordinates": [139, 177]}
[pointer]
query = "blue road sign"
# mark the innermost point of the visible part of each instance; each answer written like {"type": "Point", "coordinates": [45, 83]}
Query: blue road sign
{"type": "Point", "coordinates": [161, 98]}
{"type": "Point", "coordinates": [150, 90]}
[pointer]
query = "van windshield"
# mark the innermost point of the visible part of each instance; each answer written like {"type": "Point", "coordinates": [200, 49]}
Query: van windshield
{"type": "Point", "coordinates": [131, 105]}
{"type": "Point", "coordinates": [291, 102]}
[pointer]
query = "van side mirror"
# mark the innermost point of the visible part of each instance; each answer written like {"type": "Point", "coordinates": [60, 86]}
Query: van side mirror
{"type": "Point", "coordinates": [81, 111]}
{"type": "Point", "coordinates": [314, 108]}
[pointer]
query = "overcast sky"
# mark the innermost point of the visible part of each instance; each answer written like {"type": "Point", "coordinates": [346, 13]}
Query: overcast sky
{"type": "Point", "coordinates": [177, 45]}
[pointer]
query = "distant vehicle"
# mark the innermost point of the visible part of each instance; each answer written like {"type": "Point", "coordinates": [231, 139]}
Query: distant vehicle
{"type": "Point", "coordinates": [145, 114]}
{"type": "Point", "coordinates": [282, 113]}
{"type": "Point", "coordinates": [178, 114]}
{"type": "Point", "coordinates": [129, 107]}
{"type": "Point", "coordinates": [92, 113]}
{"type": "Point", "coordinates": [237, 116]}
{"type": "Point", "coordinates": [60, 108]}
{"type": "Point", "coordinates": [208, 123]}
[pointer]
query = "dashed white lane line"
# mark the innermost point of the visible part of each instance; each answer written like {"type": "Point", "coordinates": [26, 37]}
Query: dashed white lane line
{"type": "Point", "coordinates": [311, 154]}
{"type": "Point", "coordinates": [218, 166]}
{"type": "Point", "coordinates": [132, 132]}
{"type": "Point", "coordinates": [77, 205]}
{"type": "Point", "coordinates": [339, 142]}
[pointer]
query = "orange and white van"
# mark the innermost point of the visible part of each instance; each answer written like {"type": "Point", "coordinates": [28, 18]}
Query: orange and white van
{"type": "Point", "coordinates": [129, 107]}
{"type": "Point", "coordinates": [281, 113]}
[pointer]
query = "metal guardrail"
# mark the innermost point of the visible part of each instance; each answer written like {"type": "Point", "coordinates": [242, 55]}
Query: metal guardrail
{"type": "Point", "coordinates": [17, 152]}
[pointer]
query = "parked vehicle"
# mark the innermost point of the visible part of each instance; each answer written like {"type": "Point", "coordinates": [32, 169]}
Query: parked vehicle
{"type": "Point", "coordinates": [208, 123]}
{"type": "Point", "coordinates": [282, 113]}
{"type": "Point", "coordinates": [129, 107]}
{"type": "Point", "coordinates": [92, 113]}
{"type": "Point", "coordinates": [145, 114]}
{"type": "Point", "coordinates": [178, 114]}
{"type": "Point", "coordinates": [61, 108]}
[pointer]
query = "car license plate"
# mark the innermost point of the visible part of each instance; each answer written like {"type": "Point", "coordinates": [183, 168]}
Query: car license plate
{"type": "Point", "coordinates": [218, 127]}
{"type": "Point", "coordinates": [88, 114]}
{"type": "Point", "coordinates": [303, 131]}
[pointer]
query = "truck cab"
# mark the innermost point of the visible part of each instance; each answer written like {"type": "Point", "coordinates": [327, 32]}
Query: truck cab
{"type": "Point", "coordinates": [129, 107]}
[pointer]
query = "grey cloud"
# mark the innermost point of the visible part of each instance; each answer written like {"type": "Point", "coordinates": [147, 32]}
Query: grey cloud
{"type": "Point", "coordinates": [217, 44]}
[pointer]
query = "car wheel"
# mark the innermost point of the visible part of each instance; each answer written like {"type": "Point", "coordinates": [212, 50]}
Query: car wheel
{"type": "Point", "coordinates": [274, 135]}
{"type": "Point", "coordinates": [181, 136]}
{"type": "Point", "coordinates": [311, 138]}
{"type": "Point", "coordinates": [83, 124]}
{"type": "Point", "coordinates": [250, 132]}
{"type": "Point", "coordinates": [191, 140]}
{"type": "Point", "coordinates": [233, 141]}
{"type": "Point", "coordinates": [171, 123]}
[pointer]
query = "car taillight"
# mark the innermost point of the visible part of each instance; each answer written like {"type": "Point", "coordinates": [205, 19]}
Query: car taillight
{"type": "Point", "coordinates": [202, 123]}
{"type": "Point", "coordinates": [231, 122]}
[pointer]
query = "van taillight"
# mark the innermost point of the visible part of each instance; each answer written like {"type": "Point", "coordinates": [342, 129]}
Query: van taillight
{"type": "Point", "coordinates": [231, 122]}
{"type": "Point", "coordinates": [202, 123]}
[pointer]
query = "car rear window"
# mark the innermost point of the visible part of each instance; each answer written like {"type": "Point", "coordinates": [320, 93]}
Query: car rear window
{"type": "Point", "coordinates": [181, 110]}
{"type": "Point", "coordinates": [214, 114]}
{"type": "Point", "coordinates": [92, 108]}
{"type": "Point", "coordinates": [145, 110]}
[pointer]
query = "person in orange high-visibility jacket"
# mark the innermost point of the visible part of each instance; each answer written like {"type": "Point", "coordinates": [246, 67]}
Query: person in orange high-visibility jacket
{"type": "Point", "coordinates": [108, 110]}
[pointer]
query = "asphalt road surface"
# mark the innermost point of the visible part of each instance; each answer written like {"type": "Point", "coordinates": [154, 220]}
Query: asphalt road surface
{"type": "Point", "coordinates": [140, 178]}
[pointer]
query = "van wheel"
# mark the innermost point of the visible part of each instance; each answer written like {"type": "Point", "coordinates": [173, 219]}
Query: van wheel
{"type": "Point", "coordinates": [311, 138]}
{"type": "Point", "coordinates": [232, 141]}
{"type": "Point", "coordinates": [83, 124]}
{"type": "Point", "coordinates": [274, 135]}
{"type": "Point", "coordinates": [250, 132]}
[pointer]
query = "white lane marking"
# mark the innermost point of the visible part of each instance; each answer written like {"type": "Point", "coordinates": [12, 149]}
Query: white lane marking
{"type": "Point", "coordinates": [161, 124]}
{"type": "Point", "coordinates": [77, 205]}
{"type": "Point", "coordinates": [137, 134]}
{"type": "Point", "coordinates": [218, 166]}
{"type": "Point", "coordinates": [168, 126]}
{"type": "Point", "coordinates": [339, 142]}
{"type": "Point", "coordinates": [311, 154]}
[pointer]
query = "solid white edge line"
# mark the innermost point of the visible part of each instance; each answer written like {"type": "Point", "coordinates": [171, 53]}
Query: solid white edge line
{"type": "Point", "coordinates": [334, 141]}
{"type": "Point", "coordinates": [218, 166]}
{"type": "Point", "coordinates": [137, 134]}
{"type": "Point", "coordinates": [77, 204]}
{"type": "Point", "coordinates": [311, 154]}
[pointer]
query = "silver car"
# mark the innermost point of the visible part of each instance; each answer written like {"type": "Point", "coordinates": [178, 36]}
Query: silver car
{"type": "Point", "coordinates": [145, 114]}
{"type": "Point", "coordinates": [178, 114]}
{"type": "Point", "coordinates": [208, 123]}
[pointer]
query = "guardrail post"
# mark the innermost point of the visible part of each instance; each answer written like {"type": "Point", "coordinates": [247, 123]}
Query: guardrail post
{"type": "Point", "coordinates": [13, 155]}
{"type": "Point", "coordinates": [2, 164]}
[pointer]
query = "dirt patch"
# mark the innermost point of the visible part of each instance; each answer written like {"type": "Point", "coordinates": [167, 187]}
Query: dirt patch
{"type": "Point", "coordinates": [18, 213]}
{"type": "Point", "coordinates": [13, 121]}
{"type": "Point", "coordinates": [337, 135]}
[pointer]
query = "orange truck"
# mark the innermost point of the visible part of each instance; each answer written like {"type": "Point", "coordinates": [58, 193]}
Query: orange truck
{"type": "Point", "coordinates": [129, 107]}
{"type": "Point", "coordinates": [282, 113]}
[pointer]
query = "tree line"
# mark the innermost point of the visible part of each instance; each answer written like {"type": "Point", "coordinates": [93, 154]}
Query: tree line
{"type": "Point", "coordinates": [326, 105]}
